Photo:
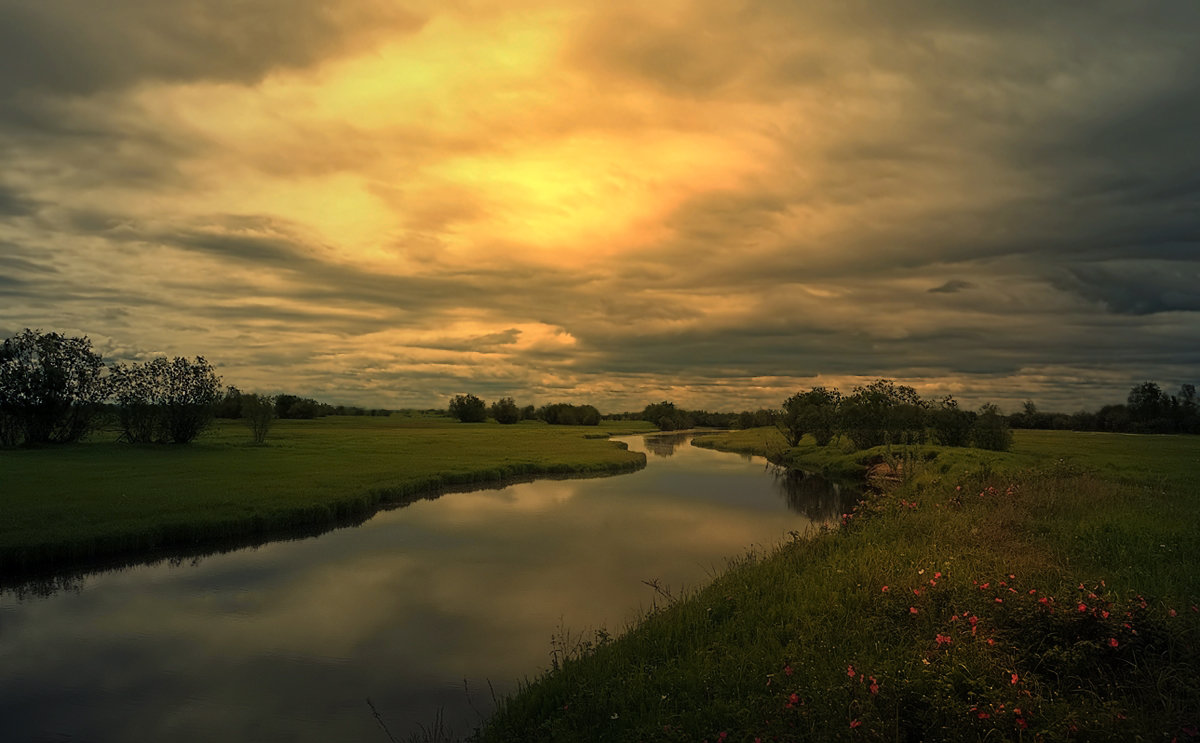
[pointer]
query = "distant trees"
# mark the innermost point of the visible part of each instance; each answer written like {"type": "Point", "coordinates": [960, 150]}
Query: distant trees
{"type": "Point", "coordinates": [51, 388]}
{"type": "Point", "coordinates": [1147, 409]}
{"type": "Point", "coordinates": [565, 414]}
{"type": "Point", "coordinates": [468, 409]}
{"type": "Point", "coordinates": [165, 401]}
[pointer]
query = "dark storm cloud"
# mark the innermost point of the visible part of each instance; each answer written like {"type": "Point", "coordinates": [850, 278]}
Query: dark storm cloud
{"type": "Point", "coordinates": [82, 47]}
{"type": "Point", "coordinates": [952, 286]}
{"type": "Point", "coordinates": [1136, 287]}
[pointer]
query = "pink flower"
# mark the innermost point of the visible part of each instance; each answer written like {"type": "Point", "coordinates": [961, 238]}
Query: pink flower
{"type": "Point", "coordinates": [1171, 612]}
{"type": "Point", "coordinates": [999, 600]}
{"type": "Point", "coordinates": [1082, 607]}
{"type": "Point", "coordinates": [874, 686]}
{"type": "Point", "coordinates": [991, 641]}
{"type": "Point", "coordinates": [854, 724]}
{"type": "Point", "coordinates": [937, 575]}
{"type": "Point", "coordinates": [943, 640]}
{"type": "Point", "coordinates": [912, 610]}
{"type": "Point", "coordinates": [1021, 723]}
{"type": "Point", "coordinates": [1112, 642]}
{"type": "Point", "coordinates": [885, 589]}
{"type": "Point", "coordinates": [787, 670]}
{"type": "Point", "coordinates": [850, 671]}
{"type": "Point", "coordinates": [1014, 679]}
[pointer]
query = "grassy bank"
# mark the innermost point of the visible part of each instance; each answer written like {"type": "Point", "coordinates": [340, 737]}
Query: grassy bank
{"type": "Point", "coordinates": [1048, 593]}
{"type": "Point", "coordinates": [67, 505]}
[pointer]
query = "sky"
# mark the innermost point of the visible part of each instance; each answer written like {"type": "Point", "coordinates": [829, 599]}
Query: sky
{"type": "Point", "coordinates": [716, 202]}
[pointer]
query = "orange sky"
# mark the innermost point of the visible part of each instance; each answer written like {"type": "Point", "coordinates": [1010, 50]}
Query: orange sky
{"type": "Point", "coordinates": [717, 203]}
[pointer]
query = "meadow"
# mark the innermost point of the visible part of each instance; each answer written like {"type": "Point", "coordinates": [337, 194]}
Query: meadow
{"type": "Point", "coordinates": [1047, 593]}
{"type": "Point", "coordinates": [67, 505]}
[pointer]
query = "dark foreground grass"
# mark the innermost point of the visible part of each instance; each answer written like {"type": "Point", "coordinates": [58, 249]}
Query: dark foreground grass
{"type": "Point", "coordinates": [64, 506]}
{"type": "Point", "coordinates": [1050, 593]}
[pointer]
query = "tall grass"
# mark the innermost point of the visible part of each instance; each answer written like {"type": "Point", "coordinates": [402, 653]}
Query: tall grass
{"type": "Point", "coordinates": [1045, 594]}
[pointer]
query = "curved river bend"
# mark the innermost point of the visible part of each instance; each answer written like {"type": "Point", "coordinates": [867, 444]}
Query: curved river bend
{"type": "Point", "coordinates": [420, 609]}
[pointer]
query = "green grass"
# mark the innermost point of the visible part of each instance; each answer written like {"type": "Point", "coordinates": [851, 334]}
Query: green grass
{"type": "Point", "coordinates": [804, 643]}
{"type": "Point", "coordinates": [66, 505]}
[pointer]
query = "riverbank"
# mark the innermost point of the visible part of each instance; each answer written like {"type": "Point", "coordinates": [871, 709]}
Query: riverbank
{"type": "Point", "coordinates": [1051, 592]}
{"type": "Point", "coordinates": [69, 506]}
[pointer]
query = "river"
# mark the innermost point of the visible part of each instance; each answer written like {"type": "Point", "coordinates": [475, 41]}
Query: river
{"type": "Point", "coordinates": [425, 610]}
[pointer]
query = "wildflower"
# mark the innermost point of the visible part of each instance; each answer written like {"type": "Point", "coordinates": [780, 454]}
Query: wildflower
{"type": "Point", "coordinates": [943, 639]}
{"type": "Point", "coordinates": [999, 600]}
{"type": "Point", "coordinates": [1011, 576]}
{"type": "Point", "coordinates": [1043, 600]}
{"type": "Point", "coordinates": [917, 591]}
{"type": "Point", "coordinates": [1171, 612]}
{"type": "Point", "coordinates": [937, 575]}
{"type": "Point", "coordinates": [874, 685]}
{"type": "Point", "coordinates": [1021, 723]}
{"type": "Point", "coordinates": [912, 610]}
{"type": "Point", "coordinates": [991, 641]}
{"type": "Point", "coordinates": [1104, 614]}
{"type": "Point", "coordinates": [722, 736]}
{"type": "Point", "coordinates": [792, 701]}
{"type": "Point", "coordinates": [1112, 642]}
{"type": "Point", "coordinates": [984, 715]}
{"type": "Point", "coordinates": [854, 724]}
{"type": "Point", "coordinates": [932, 582]}
{"type": "Point", "coordinates": [1082, 608]}
{"type": "Point", "coordinates": [885, 589]}
{"type": "Point", "coordinates": [1032, 591]}
{"type": "Point", "coordinates": [985, 586]}
{"type": "Point", "coordinates": [1014, 679]}
{"type": "Point", "coordinates": [787, 670]}
{"type": "Point", "coordinates": [850, 671]}
{"type": "Point", "coordinates": [921, 571]}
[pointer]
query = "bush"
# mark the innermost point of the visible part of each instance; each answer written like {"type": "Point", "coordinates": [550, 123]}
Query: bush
{"type": "Point", "coordinates": [468, 409]}
{"type": "Point", "coordinates": [165, 401]}
{"type": "Point", "coordinates": [506, 411]}
{"type": "Point", "coordinates": [258, 412]}
{"type": "Point", "coordinates": [991, 430]}
{"type": "Point", "coordinates": [951, 424]}
{"type": "Point", "coordinates": [51, 388]}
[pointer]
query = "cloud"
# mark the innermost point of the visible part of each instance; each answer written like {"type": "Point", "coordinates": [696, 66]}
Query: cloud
{"type": "Point", "coordinates": [952, 286]}
{"type": "Point", "coordinates": [613, 202]}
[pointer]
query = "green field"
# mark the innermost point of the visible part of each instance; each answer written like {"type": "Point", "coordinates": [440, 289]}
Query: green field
{"type": "Point", "coordinates": [66, 505]}
{"type": "Point", "coordinates": [1047, 593]}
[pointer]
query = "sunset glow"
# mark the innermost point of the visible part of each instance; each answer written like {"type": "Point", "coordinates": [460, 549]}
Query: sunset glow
{"type": "Point", "coordinates": [606, 202]}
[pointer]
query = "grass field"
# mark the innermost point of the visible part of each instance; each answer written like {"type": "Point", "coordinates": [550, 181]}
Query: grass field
{"type": "Point", "coordinates": [70, 504]}
{"type": "Point", "coordinates": [1048, 593]}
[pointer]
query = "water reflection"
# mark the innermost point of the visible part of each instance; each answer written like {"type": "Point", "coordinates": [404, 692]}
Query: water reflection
{"type": "Point", "coordinates": [664, 445]}
{"type": "Point", "coordinates": [418, 609]}
{"type": "Point", "coordinates": [818, 498]}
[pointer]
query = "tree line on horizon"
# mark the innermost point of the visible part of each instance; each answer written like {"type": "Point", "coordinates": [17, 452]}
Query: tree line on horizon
{"type": "Point", "coordinates": [56, 389]}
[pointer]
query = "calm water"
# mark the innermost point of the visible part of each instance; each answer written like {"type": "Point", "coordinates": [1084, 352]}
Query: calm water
{"type": "Point", "coordinates": [417, 609]}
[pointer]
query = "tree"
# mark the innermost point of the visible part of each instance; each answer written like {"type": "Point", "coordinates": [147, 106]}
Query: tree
{"type": "Point", "coordinates": [815, 412]}
{"type": "Point", "coordinates": [51, 388]}
{"type": "Point", "coordinates": [166, 401]}
{"type": "Point", "coordinates": [506, 411]}
{"type": "Point", "coordinates": [1148, 407]}
{"type": "Point", "coordinates": [883, 413]}
{"type": "Point", "coordinates": [468, 409]}
{"type": "Point", "coordinates": [565, 414]}
{"type": "Point", "coordinates": [666, 416]}
{"type": "Point", "coordinates": [258, 412]}
{"type": "Point", "coordinates": [991, 430]}
{"type": "Point", "coordinates": [951, 424]}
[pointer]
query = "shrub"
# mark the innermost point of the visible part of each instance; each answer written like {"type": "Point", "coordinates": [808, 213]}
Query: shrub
{"type": "Point", "coordinates": [468, 409]}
